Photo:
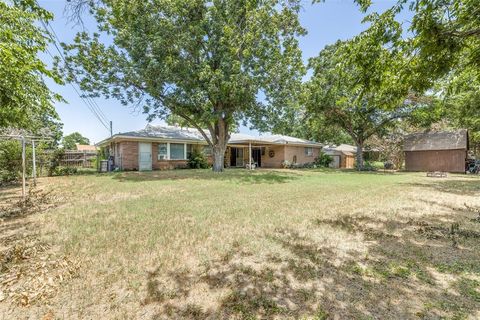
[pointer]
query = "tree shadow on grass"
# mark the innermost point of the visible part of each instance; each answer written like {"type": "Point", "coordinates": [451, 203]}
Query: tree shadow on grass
{"type": "Point", "coordinates": [464, 186]}
{"type": "Point", "coordinates": [411, 269]}
{"type": "Point", "coordinates": [231, 175]}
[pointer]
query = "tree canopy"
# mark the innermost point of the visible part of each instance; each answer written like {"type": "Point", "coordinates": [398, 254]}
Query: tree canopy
{"type": "Point", "coordinates": [69, 141]}
{"type": "Point", "coordinates": [442, 41]}
{"type": "Point", "coordinates": [357, 86]}
{"type": "Point", "coordinates": [207, 62]}
{"type": "Point", "coordinates": [25, 100]}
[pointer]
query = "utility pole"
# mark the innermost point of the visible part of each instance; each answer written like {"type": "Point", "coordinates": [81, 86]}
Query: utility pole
{"type": "Point", "coordinates": [34, 171]}
{"type": "Point", "coordinates": [111, 130]}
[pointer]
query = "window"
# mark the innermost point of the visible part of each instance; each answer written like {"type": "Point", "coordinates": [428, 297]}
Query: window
{"type": "Point", "coordinates": [309, 151]}
{"type": "Point", "coordinates": [177, 151]}
{"type": "Point", "coordinates": [162, 151]}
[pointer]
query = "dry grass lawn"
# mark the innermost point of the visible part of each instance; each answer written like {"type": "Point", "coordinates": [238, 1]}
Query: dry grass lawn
{"type": "Point", "coordinates": [190, 244]}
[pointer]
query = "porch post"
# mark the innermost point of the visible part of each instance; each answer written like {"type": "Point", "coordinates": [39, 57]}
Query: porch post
{"type": "Point", "coordinates": [250, 154]}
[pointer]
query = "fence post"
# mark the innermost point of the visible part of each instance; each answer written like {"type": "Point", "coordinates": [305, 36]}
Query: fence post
{"type": "Point", "coordinates": [23, 170]}
{"type": "Point", "coordinates": [34, 169]}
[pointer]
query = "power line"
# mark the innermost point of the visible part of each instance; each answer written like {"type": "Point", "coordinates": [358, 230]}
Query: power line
{"type": "Point", "coordinates": [97, 108]}
{"type": "Point", "coordinates": [92, 102]}
{"type": "Point", "coordinates": [89, 102]}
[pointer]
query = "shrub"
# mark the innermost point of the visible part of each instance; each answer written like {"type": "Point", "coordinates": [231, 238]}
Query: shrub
{"type": "Point", "coordinates": [57, 156]}
{"type": "Point", "coordinates": [286, 164]}
{"type": "Point", "coordinates": [367, 166]}
{"type": "Point", "coordinates": [197, 160]}
{"type": "Point", "coordinates": [11, 161]}
{"type": "Point", "coordinates": [323, 160]}
{"type": "Point", "coordinates": [388, 165]}
{"type": "Point", "coordinates": [65, 171]}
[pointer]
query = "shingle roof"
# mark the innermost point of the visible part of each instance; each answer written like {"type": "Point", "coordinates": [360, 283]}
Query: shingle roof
{"type": "Point", "coordinates": [344, 148]}
{"type": "Point", "coordinates": [165, 132]}
{"type": "Point", "coordinates": [86, 147]}
{"type": "Point", "coordinates": [442, 140]}
{"type": "Point", "coordinates": [177, 133]}
{"type": "Point", "coordinates": [270, 139]}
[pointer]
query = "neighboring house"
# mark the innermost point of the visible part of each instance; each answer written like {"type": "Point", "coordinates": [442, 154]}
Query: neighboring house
{"type": "Point", "coordinates": [436, 151]}
{"type": "Point", "coordinates": [168, 147]}
{"type": "Point", "coordinates": [343, 156]}
{"type": "Point", "coordinates": [86, 147]}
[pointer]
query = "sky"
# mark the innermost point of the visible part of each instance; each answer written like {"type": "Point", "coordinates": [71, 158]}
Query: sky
{"type": "Point", "coordinates": [325, 23]}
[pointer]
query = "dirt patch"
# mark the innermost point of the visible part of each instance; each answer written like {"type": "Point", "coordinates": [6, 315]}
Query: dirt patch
{"type": "Point", "coordinates": [31, 270]}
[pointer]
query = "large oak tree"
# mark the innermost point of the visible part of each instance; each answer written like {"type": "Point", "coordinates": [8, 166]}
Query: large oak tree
{"type": "Point", "coordinates": [443, 41]}
{"type": "Point", "coordinates": [211, 63]}
{"type": "Point", "coordinates": [358, 86]}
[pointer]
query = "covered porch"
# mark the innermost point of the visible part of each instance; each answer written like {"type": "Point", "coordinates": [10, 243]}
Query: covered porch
{"type": "Point", "coordinates": [252, 155]}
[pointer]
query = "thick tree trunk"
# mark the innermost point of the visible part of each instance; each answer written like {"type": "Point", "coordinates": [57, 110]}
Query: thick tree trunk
{"type": "Point", "coordinates": [220, 137]}
{"type": "Point", "coordinates": [218, 158]}
{"type": "Point", "coordinates": [360, 163]}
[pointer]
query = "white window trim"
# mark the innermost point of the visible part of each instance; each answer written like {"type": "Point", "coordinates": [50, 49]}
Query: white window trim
{"type": "Point", "coordinates": [309, 151]}
{"type": "Point", "coordinates": [168, 156]}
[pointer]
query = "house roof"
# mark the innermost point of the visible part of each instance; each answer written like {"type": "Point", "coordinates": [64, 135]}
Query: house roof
{"type": "Point", "coordinates": [343, 148]}
{"type": "Point", "coordinates": [191, 134]}
{"type": "Point", "coordinates": [441, 140]}
{"type": "Point", "coordinates": [270, 139]}
{"type": "Point", "coordinates": [86, 147]}
{"type": "Point", "coordinates": [165, 132]}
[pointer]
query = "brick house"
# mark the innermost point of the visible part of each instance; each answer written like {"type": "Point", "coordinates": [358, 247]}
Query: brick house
{"type": "Point", "coordinates": [168, 147]}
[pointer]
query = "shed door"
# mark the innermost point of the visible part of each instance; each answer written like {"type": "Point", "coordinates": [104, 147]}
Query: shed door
{"type": "Point", "coordinates": [336, 162]}
{"type": "Point", "coordinates": [144, 156]}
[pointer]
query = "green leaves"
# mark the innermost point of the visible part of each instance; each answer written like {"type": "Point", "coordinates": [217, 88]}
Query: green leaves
{"type": "Point", "coordinates": [358, 86]}
{"type": "Point", "coordinates": [69, 141]}
{"type": "Point", "coordinates": [25, 100]}
{"type": "Point", "coordinates": [200, 60]}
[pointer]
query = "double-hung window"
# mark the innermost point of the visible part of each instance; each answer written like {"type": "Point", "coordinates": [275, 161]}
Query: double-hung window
{"type": "Point", "coordinates": [162, 151]}
{"type": "Point", "coordinates": [177, 151]}
{"type": "Point", "coordinates": [309, 151]}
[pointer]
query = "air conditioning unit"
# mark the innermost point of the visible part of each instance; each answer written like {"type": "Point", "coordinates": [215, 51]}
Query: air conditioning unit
{"type": "Point", "coordinates": [162, 157]}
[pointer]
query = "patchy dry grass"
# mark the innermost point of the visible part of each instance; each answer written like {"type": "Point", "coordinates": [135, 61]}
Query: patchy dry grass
{"type": "Point", "coordinates": [266, 244]}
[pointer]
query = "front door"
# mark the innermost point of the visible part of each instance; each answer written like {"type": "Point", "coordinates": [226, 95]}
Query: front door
{"type": "Point", "coordinates": [144, 156]}
{"type": "Point", "coordinates": [257, 156]}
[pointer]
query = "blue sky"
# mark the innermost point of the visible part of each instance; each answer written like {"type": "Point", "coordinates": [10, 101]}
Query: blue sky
{"type": "Point", "coordinates": [325, 23]}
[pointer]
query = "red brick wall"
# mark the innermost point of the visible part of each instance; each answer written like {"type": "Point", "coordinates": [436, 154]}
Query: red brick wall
{"type": "Point", "coordinates": [299, 152]}
{"type": "Point", "coordinates": [155, 162]}
{"type": "Point", "coordinates": [129, 154]}
{"type": "Point", "coordinates": [276, 160]}
{"type": "Point", "coordinates": [171, 164]}
{"type": "Point", "coordinates": [129, 157]}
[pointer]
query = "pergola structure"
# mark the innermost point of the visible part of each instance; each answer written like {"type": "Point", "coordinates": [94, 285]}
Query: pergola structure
{"type": "Point", "coordinates": [24, 139]}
